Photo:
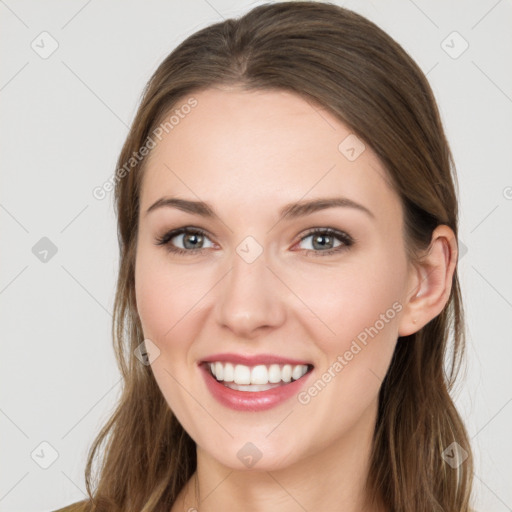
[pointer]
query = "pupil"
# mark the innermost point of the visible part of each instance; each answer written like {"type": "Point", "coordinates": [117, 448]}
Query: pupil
{"type": "Point", "coordinates": [318, 238]}
{"type": "Point", "coordinates": [193, 235]}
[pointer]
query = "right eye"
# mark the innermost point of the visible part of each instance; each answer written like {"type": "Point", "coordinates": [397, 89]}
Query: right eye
{"type": "Point", "coordinates": [190, 239]}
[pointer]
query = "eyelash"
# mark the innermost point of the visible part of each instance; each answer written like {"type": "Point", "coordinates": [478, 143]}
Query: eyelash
{"type": "Point", "coordinates": [347, 240]}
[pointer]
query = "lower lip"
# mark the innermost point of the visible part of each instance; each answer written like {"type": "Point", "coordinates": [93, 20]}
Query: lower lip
{"type": "Point", "coordinates": [252, 400]}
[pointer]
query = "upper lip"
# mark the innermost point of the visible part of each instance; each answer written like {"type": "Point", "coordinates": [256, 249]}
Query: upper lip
{"type": "Point", "coordinates": [253, 360]}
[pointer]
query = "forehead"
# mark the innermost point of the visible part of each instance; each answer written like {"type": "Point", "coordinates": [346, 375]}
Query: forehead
{"type": "Point", "coordinates": [246, 149]}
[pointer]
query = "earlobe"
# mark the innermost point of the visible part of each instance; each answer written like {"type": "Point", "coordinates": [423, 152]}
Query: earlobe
{"type": "Point", "coordinates": [432, 277]}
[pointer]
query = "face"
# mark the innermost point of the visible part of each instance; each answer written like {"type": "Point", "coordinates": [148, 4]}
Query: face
{"type": "Point", "coordinates": [252, 288]}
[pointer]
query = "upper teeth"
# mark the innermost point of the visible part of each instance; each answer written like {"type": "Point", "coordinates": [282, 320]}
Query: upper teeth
{"type": "Point", "coordinates": [260, 374]}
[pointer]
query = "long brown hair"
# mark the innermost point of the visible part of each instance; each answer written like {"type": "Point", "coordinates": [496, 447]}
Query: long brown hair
{"type": "Point", "coordinates": [344, 62]}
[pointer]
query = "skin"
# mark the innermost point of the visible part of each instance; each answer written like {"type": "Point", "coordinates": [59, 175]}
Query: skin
{"type": "Point", "coordinates": [248, 154]}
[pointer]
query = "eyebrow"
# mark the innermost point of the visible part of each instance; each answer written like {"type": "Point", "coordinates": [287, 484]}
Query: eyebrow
{"type": "Point", "coordinates": [290, 211]}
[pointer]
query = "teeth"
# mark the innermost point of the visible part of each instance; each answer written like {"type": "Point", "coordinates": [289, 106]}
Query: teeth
{"type": "Point", "coordinates": [274, 374]}
{"type": "Point", "coordinates": [219, 371]}
{"type": "Point", "coordinates": [296, 372]}
{"type": "Point", "coordinates": [242, 374]}
{"type": "Point", "coordinates": [259, 375]}
{"type": "Point", "coordinates": [251, 387]}
{"type": "Point", "coordinates": [286, 373]}
{"type": "Point", "coordinates": [229, 372]}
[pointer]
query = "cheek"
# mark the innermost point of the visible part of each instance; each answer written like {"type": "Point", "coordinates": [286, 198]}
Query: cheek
{"type": "Point", "coordinates": [359, 306]}
{"type": "Point", "coordinates": [343, 301]}
{"type": "Point", "coordinates": [164, 296]}
{"type": "Point", "coordinates": [357, 335]}
{"type": "Point", "coordinates": [154, 304]}
{"type": "Point", "coordinates": [165, 306]}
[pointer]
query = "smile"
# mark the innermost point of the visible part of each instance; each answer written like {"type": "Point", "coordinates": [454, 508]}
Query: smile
{"type": "Point", "coordinates": [256, 378]}
{"type": "Point", "coordinates": [256, 387]}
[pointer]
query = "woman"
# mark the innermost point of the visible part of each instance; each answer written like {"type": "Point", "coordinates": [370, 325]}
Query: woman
{"type": "Point", "coordinates": [288, 238]}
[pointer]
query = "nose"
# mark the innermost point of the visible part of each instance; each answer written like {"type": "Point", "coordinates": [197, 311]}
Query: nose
{"type": "Point", "coordinates": [251, 298]}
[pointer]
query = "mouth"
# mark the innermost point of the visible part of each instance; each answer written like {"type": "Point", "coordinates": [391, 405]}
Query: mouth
{"type": "Point", "coordinates": [256, 378]}
{"type": "Point", "coordinates": [254, 382]}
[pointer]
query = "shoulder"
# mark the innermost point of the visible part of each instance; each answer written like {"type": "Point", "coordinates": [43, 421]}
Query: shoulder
{"type": "Point", "coordinates": [79, 506]}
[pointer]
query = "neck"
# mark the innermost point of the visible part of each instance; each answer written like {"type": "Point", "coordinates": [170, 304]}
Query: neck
{"type": "Point", "coordinates": [332, 478]}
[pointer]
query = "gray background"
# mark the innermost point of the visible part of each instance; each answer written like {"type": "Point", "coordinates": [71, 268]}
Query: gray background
{"type": "Point", "coordinates": [63, 120]}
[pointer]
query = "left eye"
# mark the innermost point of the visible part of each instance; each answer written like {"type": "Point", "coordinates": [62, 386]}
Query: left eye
{"type": "Point", "coordinates": [324, 240]}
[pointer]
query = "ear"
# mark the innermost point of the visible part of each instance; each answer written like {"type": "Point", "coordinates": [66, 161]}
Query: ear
{"type": "Point", "coordinates": [430, 282]}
